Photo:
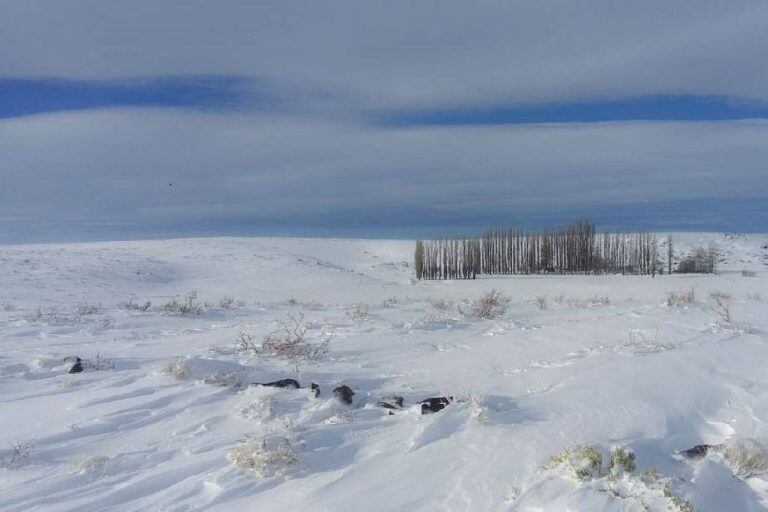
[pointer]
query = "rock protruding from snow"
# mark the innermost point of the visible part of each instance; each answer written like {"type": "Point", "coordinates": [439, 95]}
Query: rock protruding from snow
{"type": "Point", "coordinates": [78, 366]}
{"type": "Point", "coordinates": [344, 394]}
{"type": "Point", "coordinates": [436, 404]}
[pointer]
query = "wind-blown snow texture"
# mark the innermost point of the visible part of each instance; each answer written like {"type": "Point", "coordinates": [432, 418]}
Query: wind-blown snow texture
{"type": "Point", "coordinates": [606, 362]}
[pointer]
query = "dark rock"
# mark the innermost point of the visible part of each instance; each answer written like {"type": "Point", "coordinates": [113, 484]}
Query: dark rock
{"type": "Point", "coordinates": [344, 394]}
{"type": "Point", "coordinates": [77, 367]}
{"type": "Point", "coordinates": [436, 404]}
{"type": "Point", "coordinates": [391, 402]}
{"type": "Point", "coordinates": [284, 383]}
{"type": "Point", "coordinates": [315, 389]}
{"type": "Point", "coordinates": [698, 451]}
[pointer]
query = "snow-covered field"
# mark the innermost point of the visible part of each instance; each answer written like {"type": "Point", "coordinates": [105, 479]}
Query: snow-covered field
{"type": "Point", "coordinates": [572, 360]}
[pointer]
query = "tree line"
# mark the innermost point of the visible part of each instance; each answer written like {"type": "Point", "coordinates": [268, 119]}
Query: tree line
{"type": "Point", "coordinates": [575, 249]}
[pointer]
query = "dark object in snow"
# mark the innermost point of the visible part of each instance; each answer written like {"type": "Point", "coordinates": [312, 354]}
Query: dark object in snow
{"type": "Point", "coordinates": [284, 383]}
{"type": "Point", "coordinates": [344, 393]}
{"type": "Point", "coordinates": [77, 367]}
{"type": "Point", "coordinates": [698, 451]}
{"type": "Point", "coordinates": [435, 404]}
{"type": "Point", "coordinates": [315, 389]}
{"type": "Point", "coordinates": [391, 402]}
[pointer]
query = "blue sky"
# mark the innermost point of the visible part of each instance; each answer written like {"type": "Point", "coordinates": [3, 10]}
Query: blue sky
{"type": "Point", "coordinates": [166, 119]}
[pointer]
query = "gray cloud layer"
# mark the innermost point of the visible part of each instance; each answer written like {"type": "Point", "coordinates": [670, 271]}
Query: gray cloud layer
{"type": "Point", "coordinates": [117, 166]}
{"type": "Point", "coordinates": [313, 162]}
{"type": "Point", "coordinates": [399, 54]}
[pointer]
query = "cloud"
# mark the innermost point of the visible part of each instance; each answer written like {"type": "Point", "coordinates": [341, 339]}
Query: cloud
{"type": "Point", "coordinates": [143, 167]}
{"type": "Point", "coordinates": [402, 54]}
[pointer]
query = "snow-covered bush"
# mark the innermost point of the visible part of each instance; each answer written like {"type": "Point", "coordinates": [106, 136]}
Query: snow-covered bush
{"type": "Point", "coordinates": [582, 462]}
{"type": "Point", "coordinates": [748, 273]}
{"type": "Point", "coordinates": [490, 305]}
{"type": "Point", "coordinates": [620, 461]}
{"type": "Point", "coordinates": [8, 306]}
{"type": "Point", "coordinates": [541, 302]}
{"type": "Point", "coordinates": [261, 459]}
{"type": "Point", "coordinates": [91, 464]}
{"type": "Point", "coordinates": [186, 307]}
{"type": "Point", "coordinates": [722, 308]}
{"type": "Point", "coordinates": [681, 298]}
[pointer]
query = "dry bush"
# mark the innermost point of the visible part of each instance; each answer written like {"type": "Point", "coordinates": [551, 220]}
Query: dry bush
{"type": "Point", "coordinates": [187, 307]}
{"type": "Point", "coordinates": [491, 305]}
{"type": "Point", "coordinates": [441, 304]}
{"type": "Point", "coordinates": [227, 303]}
{"type": "Point", "coordinates": [681, 298]}
{"type": "Point", "coordinates": [8, 306]}
{"type": "Point", "coordinates": [225, 380]}
{"type": "Point", "coordinates": [130, 305]}
{"type": "Point", "coordinates": [755, 296]}
{"type": "Point", "coordinates": [722, 308]}
{"type": "Point", "coordinates": [263, 459]}
{"type": "Point", "coordinates": [748, 273]}
{"type": "Point", "coordinates": [87, 309]}
{"type": "Point", "coordinates": [746, 458]}
{"type": "Point", "coordinates": [98, 363]}
{"type": "Point", "coordinates": [541, 302]}
{"type": "Point", "coordinates": [179, 369]}
{"type": "Point", "coordinates": [288, 342]}
{"type": "Point", "coordinates": [21, 451]}
{"type": "Point", "coordinates": [358, 311]}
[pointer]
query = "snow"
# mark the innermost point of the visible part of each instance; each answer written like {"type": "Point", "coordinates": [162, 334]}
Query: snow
{"type": "Point", "coordinates": [605, 362]}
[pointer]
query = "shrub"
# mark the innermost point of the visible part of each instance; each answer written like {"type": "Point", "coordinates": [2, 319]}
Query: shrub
{"type": "Point", "coordinates": [21, 451]}
{"type": "Point", "coordinates": [130, 305]}
{"type": "Point", "coordinates": [440, 304]}
{"type": "Point", "coordinates": [700, 261]}
{"type": "Point", "coordinates": [86, 309]}
{"type": "Point", "coordinates": [490, 305]}
{"type": "Point", "coordinates": [748, 273]}
{"type": "Point", "coordinates": [262, 460]}
{"type": "Point", "coordinates": [178, 368]}
{"type": "Point", "coordinates": [541, 302]}
{"type": "Point", "coordinates": [746, 458]}
{"type": "Point", "coordinates": [722, 308]}
{"type": "Point", "coordinates": [681, 298]}
{"type": "Point", "coordinates": [358, 311]}
{"type": "Point", "coordinates": [582, 462]}
{"type": "Point", "coordinates": [287, 342]}
{"type": "Point", "coordinates": [188, 307]}
{"type": "Point", "coordinates": [622, 460]}
{"type": "Point", "coordinates": [8, 306]}
{"type": "Point", "coordinates": [98, 363]}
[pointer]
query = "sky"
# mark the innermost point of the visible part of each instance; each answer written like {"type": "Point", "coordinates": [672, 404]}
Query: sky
{"type": "Point", "coordinates": [133, 119]}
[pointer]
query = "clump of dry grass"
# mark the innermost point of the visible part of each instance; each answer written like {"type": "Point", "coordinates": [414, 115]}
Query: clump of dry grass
{"type": "Point", "coordinates": [261, 458]}
{"type": "Point", "coordinates": [189, 306]}
{"type": "Point", "coordinates": [681, 298]}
